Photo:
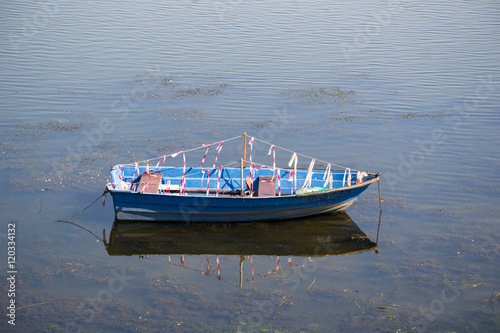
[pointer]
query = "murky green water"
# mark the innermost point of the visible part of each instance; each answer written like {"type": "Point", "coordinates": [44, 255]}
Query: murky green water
{"type": "Point", "coordinates": [409, 89]}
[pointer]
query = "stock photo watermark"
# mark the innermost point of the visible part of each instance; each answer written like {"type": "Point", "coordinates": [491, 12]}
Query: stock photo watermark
{"type": "Point", "coordinates": [11, 273]}
{"type": "Point", "coordinates": [120, 109]}
{"type": "Point", "coordinates": [34, 24]}
{"type": "Point", "coordinates": [420, 319]}
{"type": "Point", "coordinates": [278, 123]}
{"type": "Point", "coordinates": [223, 8]}
{"type": "Point", "coordinates": [297, 276]}
{"type": "Point", "coordinates": [90, 307]}
{"type": "Point", "coordinates": [371, 29]}
{"type": "Point", "coordinates": [425, 148]}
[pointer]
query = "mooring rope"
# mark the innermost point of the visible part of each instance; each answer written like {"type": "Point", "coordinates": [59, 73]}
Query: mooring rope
{"type": "Point", "coordinates": [380, 215]}
{"type": "Point", "coordinates": [379, 195]}
{"type": "Point", "coordinates": [87, 230]}
{"type": "Point", "coordinates": [66, 219]}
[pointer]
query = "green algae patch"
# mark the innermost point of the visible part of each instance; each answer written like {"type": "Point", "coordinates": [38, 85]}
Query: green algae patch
{"type": "Point", "coordinates": [154, 80]}
{"type": "Point", "coordinates": [181, 113]}
{"type": "Point", "coordinates": [64, 126]}
{"type": "Point", "coordinates": [318, 96]}
{"type": "Point", "coordinates": [414, 115]}
{"type": "Point", "coordinates": [153, 85]}
{"type": "Point", "coordinates": [197, 92]}
{"type": "Point", "coordinates": [343, 117]}
{"type": "Point", "coordinates": [35, 131]}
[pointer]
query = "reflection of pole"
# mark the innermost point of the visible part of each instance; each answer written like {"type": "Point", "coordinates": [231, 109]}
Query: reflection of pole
{"type": "Point", "coordinates": [218, 268]}
{"type": "Point", "coordinates": [253, 272]}
{"type": "Point", "coordinates": [241, 271]}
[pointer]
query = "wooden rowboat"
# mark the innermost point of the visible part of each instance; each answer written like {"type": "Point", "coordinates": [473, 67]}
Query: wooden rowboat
{"type": "Point", "coordinates": [231, 194]}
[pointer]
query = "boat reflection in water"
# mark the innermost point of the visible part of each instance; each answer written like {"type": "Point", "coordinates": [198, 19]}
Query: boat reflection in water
{"type": "Point", "coordinates": [322, 235]}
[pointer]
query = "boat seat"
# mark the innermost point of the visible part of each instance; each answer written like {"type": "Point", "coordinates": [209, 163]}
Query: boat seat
{"type": "Point", "coordinates": [267, 187]}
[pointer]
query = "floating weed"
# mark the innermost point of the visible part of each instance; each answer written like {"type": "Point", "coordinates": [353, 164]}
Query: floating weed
{"type": "Point", "coordinates": [262, 124]}
{"type": "Point", "coordinates": [315, 96]}
{"type": "Point", "coordinates": [181, 114]}
{"type": "Point", "coordinates": [6, 148]}
{"type": "Point", "coordinates": [344, 76]}
{"type": "Point", "coordinates": [23, 146]}
{"type": "Point", "coordinates": [160, 86]}
{"type": "Point", "coordinates": [147, 80]}
{"type": "Point", "coordinates": [413, 115]}
{"type": "Point", "coordinates": [64, 126]}
{"type": "Point", "coordinates": [210, 90]}
{"type": "Point", "coordinates": [35, 131]}
{"type": "Point", "coordinates": [343, 117]}
{"type": "Point", "coordinates": [479, 245]}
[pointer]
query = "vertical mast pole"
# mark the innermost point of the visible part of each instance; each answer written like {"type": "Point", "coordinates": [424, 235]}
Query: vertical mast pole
{"type": "Point", "coordinates": [241, 170]}
{"type": "Point", "coordinates": [245, 150]}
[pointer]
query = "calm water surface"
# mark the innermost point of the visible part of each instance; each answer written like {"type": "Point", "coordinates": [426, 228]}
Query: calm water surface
{"type": "Point", "coordinates": [408, 88]}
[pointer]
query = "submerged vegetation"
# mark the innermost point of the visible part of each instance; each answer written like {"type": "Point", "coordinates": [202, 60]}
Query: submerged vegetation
{"type": "Point", "coordinates": [153, 79]}
{"type": "Point", "coordinates": [35, 131]}
{"type": "Point", "coordinates": [412, 115]}
{"type": "Point", "coordinates": [181, 113]}
{"type": "Point", "coordinates": [316, 96]}
{"type": "Point", "coordinates": [80, 163]}
{"type": "Point", "coordinates": [205, 91]}
{"type": "Point", "coordinates": [155, 85]}
{"type": "Point", "coordinates": [344, 117]}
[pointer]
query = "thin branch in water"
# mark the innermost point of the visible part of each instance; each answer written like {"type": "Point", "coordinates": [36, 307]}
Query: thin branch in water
{"type": "Point", "coordinates": [311, 285]}
{"type": "Point", "coordinates": [26, 306]}
{"type": "Point", "coordinates": [491, 299]}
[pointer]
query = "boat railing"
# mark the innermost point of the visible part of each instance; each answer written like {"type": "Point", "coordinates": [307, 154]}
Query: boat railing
{"type": "Point", "coordinates": [228, 179]}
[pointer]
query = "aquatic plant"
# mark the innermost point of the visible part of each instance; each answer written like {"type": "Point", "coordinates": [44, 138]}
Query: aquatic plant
{"type": "Point", "coordinates": [180, 113]}
{"type": "Point", "coordinates": [315, 96]}
{"type": "Point", "coordinates": [209, 90]}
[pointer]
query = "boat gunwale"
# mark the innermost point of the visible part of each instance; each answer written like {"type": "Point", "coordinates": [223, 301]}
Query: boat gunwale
{"type": "Point", "coordinates": [375, 178]}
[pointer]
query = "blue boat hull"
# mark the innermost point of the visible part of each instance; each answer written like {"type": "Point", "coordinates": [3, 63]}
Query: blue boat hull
{"type": "Point", "coordinates": [199, 208]}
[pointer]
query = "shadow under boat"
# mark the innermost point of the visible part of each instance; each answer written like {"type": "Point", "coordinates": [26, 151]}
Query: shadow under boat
{"type": "Point", "coordinates": [321, 235]}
